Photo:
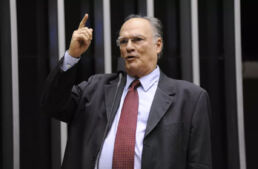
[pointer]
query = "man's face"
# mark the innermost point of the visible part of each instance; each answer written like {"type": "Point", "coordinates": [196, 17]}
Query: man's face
{"type": "Point", "coordinates": [138, 47]}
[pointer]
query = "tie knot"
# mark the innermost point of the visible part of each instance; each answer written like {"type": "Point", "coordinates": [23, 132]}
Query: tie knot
{"type": "Point", "coordinates": [136, 83]}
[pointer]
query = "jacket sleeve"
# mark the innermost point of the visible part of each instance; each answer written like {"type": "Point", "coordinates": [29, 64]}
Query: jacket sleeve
{"type": "Point", "coordinates": [60, 97]}
{"type": "Point", "coordinates": [199, 151]}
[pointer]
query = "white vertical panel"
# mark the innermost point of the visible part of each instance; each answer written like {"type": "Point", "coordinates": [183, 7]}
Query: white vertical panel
{"type": "Point", "coordinates": [15, 86]}
{"type": "Point", "coordinates": [239, 84]}
{"type": "Point", "coordinates": [61, 27]}
{"type": "Point", "coordinates": [150, 7]}
{"type": "Point", "coordinates": [195, 42]}
{"type": "Point", "coordinates": [63, 128]}
{"type": "Point", "coordinates": [61, 51]}
{"type": "Point", "coordinates": [107, 36]}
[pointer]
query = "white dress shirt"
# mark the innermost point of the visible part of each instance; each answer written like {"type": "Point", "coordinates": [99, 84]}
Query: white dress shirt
{"type": "Point", "coordinates": [146, 92]}
{"type": "Point", "coordinates": [69, 61]}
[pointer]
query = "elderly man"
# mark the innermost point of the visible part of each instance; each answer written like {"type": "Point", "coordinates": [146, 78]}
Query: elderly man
{"type": "Point", "coordinates": [138, 119]}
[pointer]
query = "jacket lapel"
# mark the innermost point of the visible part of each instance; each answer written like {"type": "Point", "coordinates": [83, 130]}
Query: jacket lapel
{"type": "Point", "coordinates": [113, 94]}
{"type": "Point", "coordinates": [163, 98]}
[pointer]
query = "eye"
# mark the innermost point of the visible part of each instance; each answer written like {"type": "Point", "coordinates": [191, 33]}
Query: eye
{"type": "Point", "coordinates": [123, 41]}
{"type": "Point", "coordinates": [137, 39]}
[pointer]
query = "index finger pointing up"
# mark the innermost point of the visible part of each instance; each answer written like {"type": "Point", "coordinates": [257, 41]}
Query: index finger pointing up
{"type": "Point", "coordinates": [83, 21]}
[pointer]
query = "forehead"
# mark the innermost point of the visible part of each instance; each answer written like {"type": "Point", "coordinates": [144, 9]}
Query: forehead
{"type": "Point", "coordinates": [136, 26]}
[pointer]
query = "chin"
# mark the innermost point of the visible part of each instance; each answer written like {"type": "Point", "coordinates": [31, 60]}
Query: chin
{"type": "Point", "coordinates": [134, 72]}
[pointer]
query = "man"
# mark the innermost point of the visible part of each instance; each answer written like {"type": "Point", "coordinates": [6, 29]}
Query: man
{"type": "Point", "coordinates": [138, 119]}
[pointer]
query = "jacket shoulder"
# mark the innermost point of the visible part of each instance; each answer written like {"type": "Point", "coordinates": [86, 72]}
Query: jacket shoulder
{"type": "Point", "coordinates": [181, 86]}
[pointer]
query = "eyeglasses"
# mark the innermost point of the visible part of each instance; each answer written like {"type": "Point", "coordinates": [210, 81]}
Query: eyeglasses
{"type": "Point", "coordinates": [122, 42]}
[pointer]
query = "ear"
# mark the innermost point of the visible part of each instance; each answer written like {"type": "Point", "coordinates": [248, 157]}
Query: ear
{"type": "Point", "coordinates": [159, 45]}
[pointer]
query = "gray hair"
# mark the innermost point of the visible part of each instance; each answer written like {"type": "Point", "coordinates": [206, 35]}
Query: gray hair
{"type": "Point", "coordinates": [155, 24]}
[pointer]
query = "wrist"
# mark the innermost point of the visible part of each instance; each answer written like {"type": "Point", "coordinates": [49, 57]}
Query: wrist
{"type": "Point", "coordinates": [73, 54]}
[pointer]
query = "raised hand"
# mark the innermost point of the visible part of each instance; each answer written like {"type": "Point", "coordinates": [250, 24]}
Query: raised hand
{"type": "Point", "coordinates": [81, 39]}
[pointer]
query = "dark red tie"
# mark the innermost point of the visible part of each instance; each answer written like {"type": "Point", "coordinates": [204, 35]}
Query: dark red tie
{"type": "Point", "coordinates": [123, 157]}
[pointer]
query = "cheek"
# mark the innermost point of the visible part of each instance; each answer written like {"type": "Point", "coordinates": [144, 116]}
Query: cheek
{"type": "Point", "coordinates": [122, 52]}
{"type": "Point", "coordinates": [141, 50]}
{"type": "Point", "coordinates": [146, 52]}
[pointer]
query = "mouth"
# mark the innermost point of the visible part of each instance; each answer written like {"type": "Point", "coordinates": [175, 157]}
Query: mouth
{"type": "Point", "coordinates": [130, 57]}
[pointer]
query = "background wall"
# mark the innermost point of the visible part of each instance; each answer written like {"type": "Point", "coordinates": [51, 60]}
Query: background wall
{"type": "Point", "coordinates": [209, 42]}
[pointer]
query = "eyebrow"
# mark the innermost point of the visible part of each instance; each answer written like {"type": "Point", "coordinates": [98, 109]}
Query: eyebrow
{"type": "Point", "coordinates": [135, 35]}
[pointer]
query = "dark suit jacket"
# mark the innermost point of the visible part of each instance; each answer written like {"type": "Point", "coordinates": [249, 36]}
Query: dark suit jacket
{"type": "Point", "coordinates": [177, 134]}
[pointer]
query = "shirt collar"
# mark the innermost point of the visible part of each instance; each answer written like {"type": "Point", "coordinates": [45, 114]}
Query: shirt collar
{"type": "Point", "coordinates": [146, 81]}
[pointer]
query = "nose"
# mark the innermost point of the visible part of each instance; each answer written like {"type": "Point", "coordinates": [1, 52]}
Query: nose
{"type": "Point", "coordinates": [129, 46]}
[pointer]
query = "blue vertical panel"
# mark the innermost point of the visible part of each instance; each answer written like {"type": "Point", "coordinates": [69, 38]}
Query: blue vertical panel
{"type": "Point", "coordinates": [168, 12]}
{"type": "Point", "coordinates": [125, 8]}
{"type": "Point", "coordinates": [99, 36]}
{"type": "Point", "coordinates": [186, 40]}
{"type": "Point", "coordinates": [74, 12]}
{"type": "Point", "coordinates": [55, 147]}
